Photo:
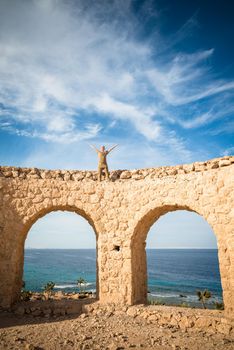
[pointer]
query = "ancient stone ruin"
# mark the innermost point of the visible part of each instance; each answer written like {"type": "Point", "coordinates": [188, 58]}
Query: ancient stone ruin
{"type": "Point", "coordinates": [121, 213]}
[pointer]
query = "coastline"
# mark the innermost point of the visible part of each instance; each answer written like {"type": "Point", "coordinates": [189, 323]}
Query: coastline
{"type": "Point", "coordinates": [66, 265]}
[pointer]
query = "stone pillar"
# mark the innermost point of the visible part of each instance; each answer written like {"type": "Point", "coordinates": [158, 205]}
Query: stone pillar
{"type": "Point", "coordinates": [11, 264]}
{"type": "Point", "coordinates": [230, 297]}
{"type": "Point", "coordinates": [226, 266]}
{"type": "Point", "coordinates": [114, 260]}
{"type": "Point", "coordinates": [139, 258]}
{"type": "Point", "coordinates": [139, 273]}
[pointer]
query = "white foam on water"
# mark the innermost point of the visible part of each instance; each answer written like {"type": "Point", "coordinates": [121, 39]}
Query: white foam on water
{"type": "Point", "coordinates": [164, 295]}
{"type": "Point", "coordinates": [189, 298]}
{"type": "Point", "coordinates": [63, 286]}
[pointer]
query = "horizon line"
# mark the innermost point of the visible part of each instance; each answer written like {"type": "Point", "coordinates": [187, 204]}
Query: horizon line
{"type": "Point", "coordinates": [163, 248]}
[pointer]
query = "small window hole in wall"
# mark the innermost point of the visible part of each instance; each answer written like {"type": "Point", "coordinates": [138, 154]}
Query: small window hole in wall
{"type": "Point", "coordinates": [116, 248]}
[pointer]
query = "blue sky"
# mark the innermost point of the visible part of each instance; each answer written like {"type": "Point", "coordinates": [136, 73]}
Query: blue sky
{"type": "Point", "coordinates": [66, 230]}
{"type": "Point", "coordinates": [156, 77]}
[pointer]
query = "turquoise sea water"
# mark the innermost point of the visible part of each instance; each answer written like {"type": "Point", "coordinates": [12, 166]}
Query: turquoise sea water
{"type": "Point", "coordinates": [171, 272]}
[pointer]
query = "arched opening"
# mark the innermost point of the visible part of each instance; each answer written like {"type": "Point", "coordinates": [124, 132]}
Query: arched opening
{"type": "Point", "coordinates": [177, 258]}
{"type": "Point", "coordinates": [60, 246]}
{"type": "Point", "coordinates": [182, 259]}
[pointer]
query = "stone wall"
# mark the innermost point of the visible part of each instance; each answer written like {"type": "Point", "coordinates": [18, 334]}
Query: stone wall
{"type": "Point", "coordinates": [121, 212]}
{"type": "Point", "coordinates": [210, 321]}
{"type": "Point", "coordinates": [136, 174]}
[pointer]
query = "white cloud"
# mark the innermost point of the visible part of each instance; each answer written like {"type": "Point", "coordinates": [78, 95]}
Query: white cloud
{"type": "Point", "coordinates": [60, 60]}
{"type": "Point", "coordinates": [142, 119]}
{"type": "Point", "coordinates": [198, 121]}
{"type": "Point", "coordinates": [229, 151]}
{"type": "Point", "coordinates": [63, 60]}
{"type": "Point", "coordinates": [208, 117]}
{"type": "Point", "coordinates": [184, 81]}
{"type": "Point", "coordinates": [128, 155]}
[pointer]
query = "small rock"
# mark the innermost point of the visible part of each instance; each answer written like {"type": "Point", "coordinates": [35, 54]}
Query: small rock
{"type": "Point", "coordinates": [20, 311]}
{"type": "Point", "coordinates": [36, 313]}
{"type": "Point", "coordinates": [68, 342]}
{"type": "Point", "coordinates": [214, 165]}
{"type": "Point", "coordinates": [175, 347]}
{"type": "Point", "coordinates": [86, 337]}
{"type": "Point", "coordinates": [132, 312]}
{"type": "Point", "coordinates": [224, 162]}
{"type": "Point", "coordinates": [126, 175]}
{"type": "Point", "coordinates": [29, 347]}
{"type": "Point", "coordinates": [152, 318]}
{"type": "Point", "coordinates": [20, 340]}
{"type": "Point", "coordinates": [138, 177]}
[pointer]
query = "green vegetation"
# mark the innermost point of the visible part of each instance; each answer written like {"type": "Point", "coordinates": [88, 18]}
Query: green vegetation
{"type": "Point", "coordinates": [155, 302]}
{"type": "Point", "coordinates": [48, 292]}
{"type": "Point", "coordinates": [81, 283]}
{"type": "Point", "coordinates": [219, 306]}
{"type": "Point", "coordinates": [48, 289]}
{"type": "Point", "coordinates": [203, 297]}
{"type": "Point", "coordinates": [160, 302]}
{"type": "Point", "coordinates": [26, 295]}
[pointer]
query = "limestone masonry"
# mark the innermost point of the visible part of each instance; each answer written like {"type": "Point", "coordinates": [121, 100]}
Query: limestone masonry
{"type": "Point", "coordinates": [121, 212]}
{"type": "Point", "coordinates": [210, 321]}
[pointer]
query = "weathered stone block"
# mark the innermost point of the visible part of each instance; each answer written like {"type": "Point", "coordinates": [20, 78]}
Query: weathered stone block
{"type": "Point", "coordinates": [224, 162]}
{"type": "Point", "coordinates": [126, 175]}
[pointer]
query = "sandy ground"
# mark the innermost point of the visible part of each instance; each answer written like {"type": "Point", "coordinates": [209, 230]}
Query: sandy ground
{"type": "Point", "coordinates": [101, 331]}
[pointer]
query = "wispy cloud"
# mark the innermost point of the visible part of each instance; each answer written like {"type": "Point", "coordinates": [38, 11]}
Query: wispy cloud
{"type": "Point", "coordinates": [185, 81]}
{"type": "Point", "coordinates": [142, 119]}
{"type": "Point", "coordinates": [206, 118]}
{"type": "Point", "coordinates": [228, 151]}
{"type": "Point", "coordinates": [63, 62]}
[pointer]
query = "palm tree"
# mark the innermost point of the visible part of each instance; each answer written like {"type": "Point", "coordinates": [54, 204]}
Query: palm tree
{"type": "Point", "coordinates": [48, 288]}
{"type": "Point", "coordinates": [25, 294]}
{"type": "Point", "coordinates": [203, 296]}
{"type": "Point", "coordinates": [81, 282]}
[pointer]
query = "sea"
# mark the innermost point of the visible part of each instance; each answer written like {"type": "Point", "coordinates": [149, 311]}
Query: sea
{"type": "Point", "coordinates": [174, 275]}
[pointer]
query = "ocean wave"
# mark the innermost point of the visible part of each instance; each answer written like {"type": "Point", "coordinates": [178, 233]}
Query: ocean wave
{"type": "Point", "coordinates": [90, 258]}
{"type": "Point", "coordinates": [186, 298]}
{"type": "Point", "coordinates": [63, 286]}
{"type": "Point", "coordinates": [164, 295]}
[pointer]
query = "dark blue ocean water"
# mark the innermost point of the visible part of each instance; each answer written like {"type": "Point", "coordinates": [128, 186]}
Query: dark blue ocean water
{"type": "Point", "coordinates": [171, 272]}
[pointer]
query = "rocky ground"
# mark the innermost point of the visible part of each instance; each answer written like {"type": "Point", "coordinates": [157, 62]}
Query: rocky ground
{"type": "Point", "coordinates": [103, 331]}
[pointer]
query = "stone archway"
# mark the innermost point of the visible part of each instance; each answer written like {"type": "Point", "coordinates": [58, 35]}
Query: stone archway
{"type": "Point", "coordinates": [66, 230]}
{"type": "Point", "coordinates": [139, 259]}
{"type": "Point", "coordinates": [17, 258]}
{"type": "Point", "coordinates": [121, 211]}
